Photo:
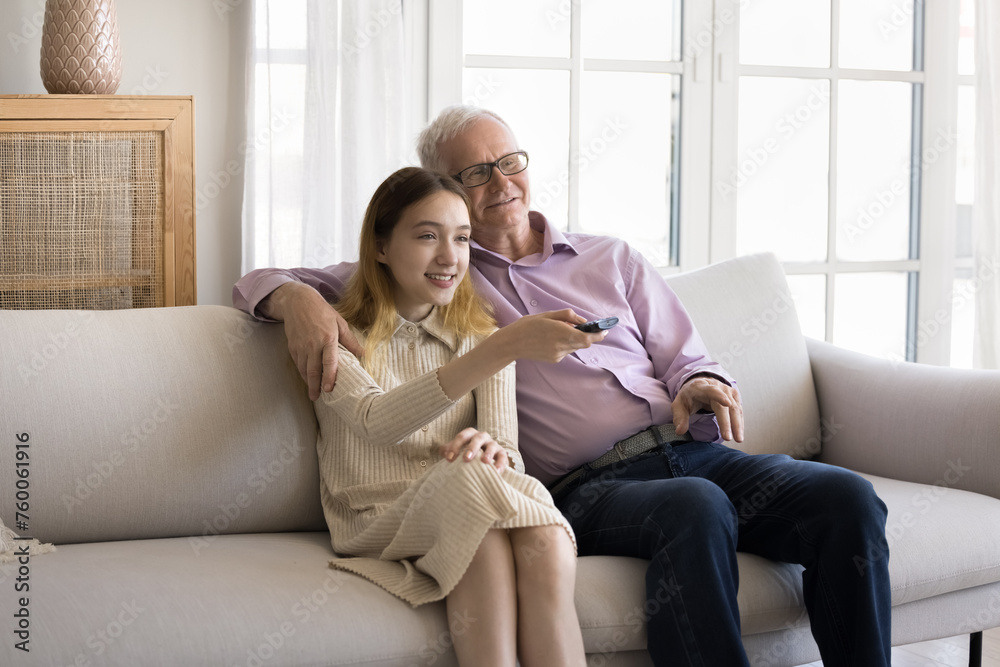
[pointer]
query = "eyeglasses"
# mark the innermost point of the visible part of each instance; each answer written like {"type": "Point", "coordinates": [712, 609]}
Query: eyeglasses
{"type": "Point", "coordinates": [478, 174]}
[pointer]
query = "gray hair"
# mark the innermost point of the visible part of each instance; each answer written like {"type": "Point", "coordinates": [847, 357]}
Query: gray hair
{"type": "Point", "coordinates": [450, 122]}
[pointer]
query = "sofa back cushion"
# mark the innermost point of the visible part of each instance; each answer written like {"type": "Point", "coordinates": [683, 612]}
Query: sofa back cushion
{"type": "Point", "coordinates": [155, 423]}
{"type": "Point", "coordinates": [744, 312]}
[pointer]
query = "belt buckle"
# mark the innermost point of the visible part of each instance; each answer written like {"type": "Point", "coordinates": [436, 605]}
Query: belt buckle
{"type": "Point", "coordinates": [618, 450]}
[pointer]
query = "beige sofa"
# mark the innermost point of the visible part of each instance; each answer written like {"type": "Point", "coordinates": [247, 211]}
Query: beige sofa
{"type": "Point", "coordinates": [172, 461]}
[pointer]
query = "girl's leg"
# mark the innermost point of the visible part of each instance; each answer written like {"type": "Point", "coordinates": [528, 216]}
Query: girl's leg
{"type": "Point", "coordinates": [548, 628]}
{"type": "Point", "coordinates": [482, 608]}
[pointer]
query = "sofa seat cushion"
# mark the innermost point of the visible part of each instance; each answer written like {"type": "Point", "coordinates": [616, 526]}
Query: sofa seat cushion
{"type": "Point", "coordinates": [268, 599]}
{"type": "Point", "coordinates": [271, 599]}
{"type": "Point", "coordinates": [940, 539]}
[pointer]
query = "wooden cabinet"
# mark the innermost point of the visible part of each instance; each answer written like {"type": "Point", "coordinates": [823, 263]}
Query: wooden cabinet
{"type": "Point", "coordinates": [96, 201]}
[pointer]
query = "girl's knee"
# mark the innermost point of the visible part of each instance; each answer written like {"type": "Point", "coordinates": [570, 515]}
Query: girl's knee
{"type": "Point", "coordinates": [545, 551]}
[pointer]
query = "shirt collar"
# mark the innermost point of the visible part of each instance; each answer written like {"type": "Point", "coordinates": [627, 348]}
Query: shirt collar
{"type": "Point", "coordinates": [432, 324]}
{"type": "Point", "coordinates": [553, 241]}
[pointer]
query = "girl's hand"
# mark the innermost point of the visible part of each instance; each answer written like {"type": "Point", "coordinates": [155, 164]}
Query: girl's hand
{"type": "Point", "coordinates": [471, 444]}
{"type": "Point", "coordinates": [548, 336]}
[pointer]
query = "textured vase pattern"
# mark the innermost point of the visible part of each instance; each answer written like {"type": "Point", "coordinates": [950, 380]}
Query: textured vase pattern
{"type": "Point", "coordinates": [81, 52]}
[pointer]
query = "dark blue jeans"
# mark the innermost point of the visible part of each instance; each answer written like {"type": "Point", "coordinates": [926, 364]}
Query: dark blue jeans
{"type": "Point", "coordinates": [689, 507]}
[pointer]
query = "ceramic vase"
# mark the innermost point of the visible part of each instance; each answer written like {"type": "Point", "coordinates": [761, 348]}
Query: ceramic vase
{"type": "Point", "coordinates": [81, 52]}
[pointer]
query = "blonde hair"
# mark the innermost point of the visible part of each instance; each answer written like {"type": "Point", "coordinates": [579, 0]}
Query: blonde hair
{"type": "Point", "coordinates": [368, 302]}
{"type": "Point", "coordinates": [450, 122]}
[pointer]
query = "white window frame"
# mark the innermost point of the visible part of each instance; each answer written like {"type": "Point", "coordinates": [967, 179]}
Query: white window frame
{"type": "Point", "coordinates": [710, 71]}
{"type": "Point", "coordinates": [446, 62]}
{"type": "Point", "coordinates": [934, 263]}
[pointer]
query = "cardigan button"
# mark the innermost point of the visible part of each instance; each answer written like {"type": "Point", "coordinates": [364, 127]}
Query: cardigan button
{"type": "Point", "coordinates": [413, 346]}
{"type": "Point", "coordinates": [423, 464]}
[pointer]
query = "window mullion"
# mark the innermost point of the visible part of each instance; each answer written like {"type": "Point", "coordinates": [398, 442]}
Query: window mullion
{"type": "Point", "coordinates": [444, 55]}
{"type": "Point", "coordinates": [725, 108]}
{"type": "Point", "coordinates": [575, 81]}
{"type": "Point", "coordinates": [938, 161]}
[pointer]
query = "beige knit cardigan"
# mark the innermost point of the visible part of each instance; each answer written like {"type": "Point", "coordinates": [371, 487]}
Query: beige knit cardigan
{"type": "Point", "coordinates": [413, 520]}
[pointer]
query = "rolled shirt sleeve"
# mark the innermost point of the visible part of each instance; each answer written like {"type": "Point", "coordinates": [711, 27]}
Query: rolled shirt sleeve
{"type": "Point", "coordinates": [257, 285]}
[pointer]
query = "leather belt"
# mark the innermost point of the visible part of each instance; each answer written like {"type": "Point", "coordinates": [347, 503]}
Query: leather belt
{"type": "Point", "coordinates": [640, 443]}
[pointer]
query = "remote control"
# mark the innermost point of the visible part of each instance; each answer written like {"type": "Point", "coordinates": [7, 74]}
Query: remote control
{"type": "Point", "coordinates": [598, 325]}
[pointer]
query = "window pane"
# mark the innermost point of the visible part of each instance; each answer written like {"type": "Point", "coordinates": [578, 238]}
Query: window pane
{"type": "Point", "coordinates": [282, 25]}
{"type": "Point", "coordinates": [873, 170]}
{"type": "Point", "coordinates": [277, 153]}
{"type": "Point", "coordinates": [517, 27]}
{"type": "Point", "coordinates": [626, 136]}
{"type": "Point", "coordinates": [630, 29]}
{"type": "Point", "coordinates": [876, 34]}
{"type": "Point", "coordinates": [781, 179]}
{"type": "Point", "coordinates": [963, 318]}
{"type": "Point", "coordinates": [967, 37]}
{"type": "Point", "coordinates": [869, 313]}
{"type": "Point", "coordinates": [809, 295]}
{"type": "Point", "coordinates": [965, 180]}
{"type": "Point", "coordinates": [544, 135]}
{"type": "Point", "coordinates": [785, 32]}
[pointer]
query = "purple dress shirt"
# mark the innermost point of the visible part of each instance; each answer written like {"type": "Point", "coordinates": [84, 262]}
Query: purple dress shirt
{"type": "Point", "coordinates": [572, 412]}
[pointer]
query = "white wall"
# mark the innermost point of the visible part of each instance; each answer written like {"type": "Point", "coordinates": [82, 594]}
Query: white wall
{"type": "Point", "coordinates": [180, 47]}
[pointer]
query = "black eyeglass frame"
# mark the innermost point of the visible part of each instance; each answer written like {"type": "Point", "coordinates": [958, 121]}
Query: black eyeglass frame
{"type": "Point", "coordinates": [491, 165]}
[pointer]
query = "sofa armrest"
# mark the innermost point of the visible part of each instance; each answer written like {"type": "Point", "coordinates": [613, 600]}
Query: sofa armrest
{"type": "Point", "coordinates": [911, 422]}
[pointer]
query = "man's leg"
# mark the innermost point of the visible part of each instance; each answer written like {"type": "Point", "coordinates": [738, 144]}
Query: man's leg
{"type": "Point", "coordinates": [823, 517]}
{"type": "Point", "coordinates": [687, 528]}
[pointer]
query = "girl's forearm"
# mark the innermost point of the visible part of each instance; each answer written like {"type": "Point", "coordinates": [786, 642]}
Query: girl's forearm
{"type": "Point", "coordinates": [460, 376]}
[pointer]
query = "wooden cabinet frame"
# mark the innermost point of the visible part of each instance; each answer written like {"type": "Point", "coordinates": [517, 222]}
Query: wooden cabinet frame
{"type": "Point", "coordinates": [173, 117]}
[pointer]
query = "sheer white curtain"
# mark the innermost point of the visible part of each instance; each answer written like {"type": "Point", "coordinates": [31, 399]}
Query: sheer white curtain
{"type": "Point", "coordinates": [328, 120]}
{"type": "Point", "coordinates": [986, 210]}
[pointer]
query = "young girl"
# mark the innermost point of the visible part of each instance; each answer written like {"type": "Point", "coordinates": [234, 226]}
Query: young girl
{"type": "Point", "coordinates": [422, 485]}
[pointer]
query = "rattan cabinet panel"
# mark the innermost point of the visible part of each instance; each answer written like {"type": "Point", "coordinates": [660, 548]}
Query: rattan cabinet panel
{"type": "Point", "coordinates": [96, 202]}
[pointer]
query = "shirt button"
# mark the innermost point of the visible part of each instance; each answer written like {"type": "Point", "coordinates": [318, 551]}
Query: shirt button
{"type": "Point", "coordinates": [413, 345]}
{"type": "Point", "coordinates": [423, 464]}
{"type": "Point", "coordinates": [593, 360]}
{"type": "Point", "coordinates": [534, 302]}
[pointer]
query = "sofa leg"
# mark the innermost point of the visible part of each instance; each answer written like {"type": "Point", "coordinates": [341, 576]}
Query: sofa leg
{"type": "Point", "coordinates": [976, 649]}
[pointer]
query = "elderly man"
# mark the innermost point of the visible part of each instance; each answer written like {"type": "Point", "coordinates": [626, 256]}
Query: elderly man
{"type": "Point", "coordinates": [649, 393]}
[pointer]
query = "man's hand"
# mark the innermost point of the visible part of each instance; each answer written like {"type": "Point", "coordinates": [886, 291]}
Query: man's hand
{"type": "Point", "coordinates": [548, 336]}
{"type": "Point", "coordinates": [313, 329]}
{"type": "Point", "coordinates": [708, 393]}
{"type": "Point", "coordinates": [471, 444]}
